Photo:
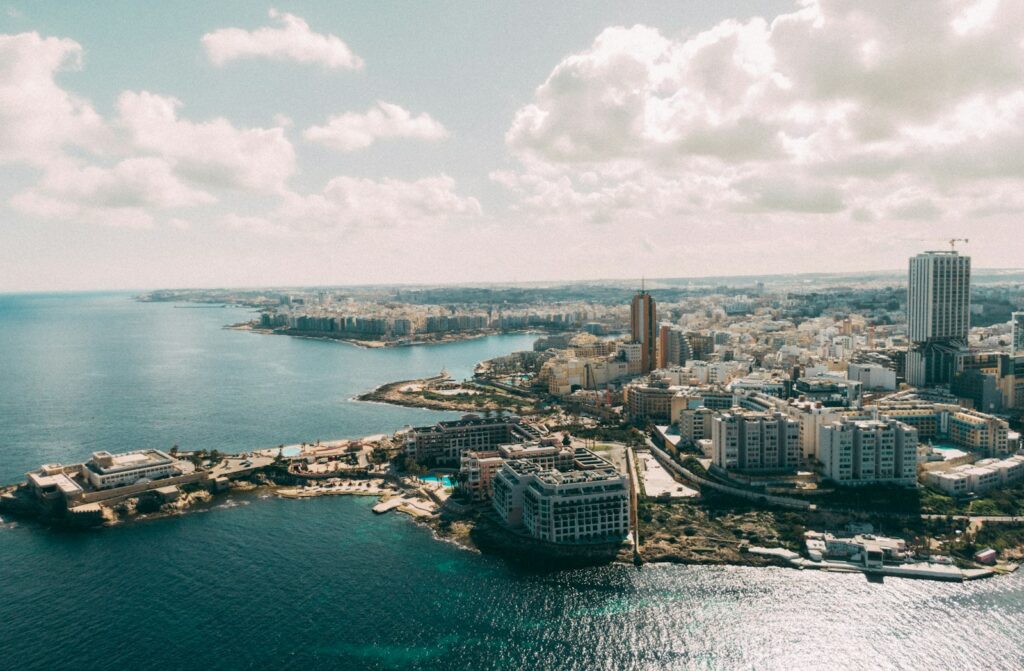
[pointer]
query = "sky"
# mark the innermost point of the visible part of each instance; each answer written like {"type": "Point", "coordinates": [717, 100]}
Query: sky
{"type": "Point", "coordinates": [197, 144]}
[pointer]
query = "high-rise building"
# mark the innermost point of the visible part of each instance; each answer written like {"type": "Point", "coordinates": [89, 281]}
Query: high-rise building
{"type": "Point", "coordinates": [938, 315]}
{"type": "Point", "coordinates": [643, 319]}
{"type": "Point", "coordinates": [673, 347]}
{"type": "Point", "coordinates": [1017, 343]}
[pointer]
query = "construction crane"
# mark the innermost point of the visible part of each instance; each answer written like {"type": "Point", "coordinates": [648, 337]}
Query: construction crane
{"type": "Point", "coordinates": [953, 241]}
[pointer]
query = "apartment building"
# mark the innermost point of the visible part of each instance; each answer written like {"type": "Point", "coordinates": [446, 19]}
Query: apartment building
{"type": "Point", "coordinates": [869, 452]}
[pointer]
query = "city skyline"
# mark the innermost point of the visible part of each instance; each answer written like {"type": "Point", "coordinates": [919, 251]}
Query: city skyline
{"type": "Point", "coordinates": [313, 144]}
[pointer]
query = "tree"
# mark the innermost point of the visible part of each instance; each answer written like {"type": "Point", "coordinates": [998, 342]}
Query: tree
{"type": "Point", "coordinates": [174, 451]}
{"type": "Point", "coordinates": [566, 440]}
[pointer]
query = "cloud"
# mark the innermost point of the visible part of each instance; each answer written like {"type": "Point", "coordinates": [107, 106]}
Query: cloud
{"type": "Point", "coordinates": [291, 40]}
{"type": "Point", "coordinates": [841, 108]}
{"type": "Point", "coordinates": [122, 195]}
{"type": "Point", "coordinates": [352, 131]}
{"type": "Point", "coordinates": [348, 204]}
{"type": "Point", "coordinates": [38, 118]}
{"type": "Point", "coordinates": [212, 153]}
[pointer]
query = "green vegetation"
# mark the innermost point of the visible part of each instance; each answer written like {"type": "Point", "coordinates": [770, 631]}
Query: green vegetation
{"type": "Point", "coordinates": [1000, 537]}
{"type": "Point", "coordinates": [622, 433]}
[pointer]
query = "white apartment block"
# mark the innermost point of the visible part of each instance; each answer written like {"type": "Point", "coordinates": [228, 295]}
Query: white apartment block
{"type": "Point", "coordinates": [751, 442]}
{"type": "Point", "coordinates": [868, 452]}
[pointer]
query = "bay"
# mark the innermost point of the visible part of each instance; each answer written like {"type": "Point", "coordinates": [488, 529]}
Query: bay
{"type": "Point", "coordinates": [323, 583]}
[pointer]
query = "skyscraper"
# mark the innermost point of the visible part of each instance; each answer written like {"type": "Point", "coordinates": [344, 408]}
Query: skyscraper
{"type": "Point", "coordinates": [938, 315]}
{"type": "Point", "coordinates": [643, 319]}
{"type": "Point", "coordinates": [1017, 342]}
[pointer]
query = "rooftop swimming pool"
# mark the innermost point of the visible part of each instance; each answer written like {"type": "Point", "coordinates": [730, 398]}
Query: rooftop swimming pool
{"type": "Point", "coordinates": [291, 451]}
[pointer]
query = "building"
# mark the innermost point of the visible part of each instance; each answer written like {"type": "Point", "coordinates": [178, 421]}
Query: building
{"type": "Point", "coordinates": [649, 402]}
{"type": "Point", "coordinates": [586, 502]}
{"type": "Point", "coordinates": [444, 442]}
{"type": "Point", "coordinates": [831, 392]}
{"type": "Point", "coordinates": [872, 376]}
{"type": "Point", "coordinates": [938, 315]}
{"type": "Point", "coordinates": [978, 478]}
{"type": "Point", "coordinates": [105, 470]}
{"type": "Point", "coordinates": [979, 431]}
{"type": "Point", "coordinates": [1017, 334]}
{"type": "Point", "coordinates": [478, 467]}
{"type": "Point", "coordinates": [673, 347]}
{"type": "Point", "coordinates": [696, 423]}
{"type": "Point", "coordinates": [702, 345]}
{"type": "Point", "coordinates": [868, 452]}
{"type": "Point", "coordinates": [978, 389]}
{"type": "Point", "coordinates": [643, 321]}
{"type": "Point", "coordinates": [750, 442]}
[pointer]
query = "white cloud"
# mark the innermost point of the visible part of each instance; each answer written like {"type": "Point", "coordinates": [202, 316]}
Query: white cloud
{"type": "Point", "coordinates": [38, 118]}
{"type": "Point", "coordinates": [352, 131]}
{"type": "Point", "coordinates": [348, 204]}
{"type": "Point", "coordinates": [291, 40]}
{"type": "Point", "coordinates": [212, 153]}
{"type": "Point", "coordinates": [120, 195]}
{"type": "Point", "coordinates": [840, 109]}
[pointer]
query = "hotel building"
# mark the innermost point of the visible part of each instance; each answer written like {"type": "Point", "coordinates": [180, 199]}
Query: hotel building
{"type": "Point", "coordinates": [106, 470]}
{"type": "Point", "coordinates": [444, 442]}
{"type": "Point", "coordinates": [586, 502]}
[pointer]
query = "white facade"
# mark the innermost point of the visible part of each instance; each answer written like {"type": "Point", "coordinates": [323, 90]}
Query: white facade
{"type": "Point", "coordinates": [978, 478]}
{"type": "Point", "coordinates": [872, 376]}
{"type": "Point", "coordinates": [755, 441]}
{"type": "Point", "coordinates": [938, 315]}
{"type": "Point", "coordinates": [586, 503]}
{"type": "Point", "coordinates": [868, 452]}
{"type": "Point", "coordinates": [106, 470]}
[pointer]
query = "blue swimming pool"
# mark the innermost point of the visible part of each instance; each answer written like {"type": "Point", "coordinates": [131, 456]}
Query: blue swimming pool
{"type": "Point", "coordinates": [292, 451]}
{"type": "Point", "coordinates": [444, 479]}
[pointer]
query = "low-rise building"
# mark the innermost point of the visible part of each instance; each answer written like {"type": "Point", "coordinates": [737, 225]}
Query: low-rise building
{"type": "Point", "coordinates": [105, 470]}
{"type": "Point", "coordinates": [978, 478]}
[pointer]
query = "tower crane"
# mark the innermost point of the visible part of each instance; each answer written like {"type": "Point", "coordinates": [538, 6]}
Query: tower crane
{"type": "Point", "coordinates": [953, 241]}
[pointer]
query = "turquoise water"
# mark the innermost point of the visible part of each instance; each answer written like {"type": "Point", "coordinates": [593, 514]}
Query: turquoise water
{"type": "Point", "coordinates": [444, 479]}
{"type": "Point", "coordinates": [255, 583]}
{"type": "Point", "coordinates": [291, 451]}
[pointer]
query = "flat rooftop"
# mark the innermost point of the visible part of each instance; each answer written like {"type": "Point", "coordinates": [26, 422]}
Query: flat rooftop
{"type": "Point", "coordinates": [105, 463]}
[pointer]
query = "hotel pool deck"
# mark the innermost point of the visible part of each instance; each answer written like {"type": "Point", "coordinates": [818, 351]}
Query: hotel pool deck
{"type": "Point", "coordinates": [443, 479]}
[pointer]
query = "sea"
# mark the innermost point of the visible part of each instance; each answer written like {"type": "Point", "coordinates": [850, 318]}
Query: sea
{"type": "Point", "coordinates": [257, 582]}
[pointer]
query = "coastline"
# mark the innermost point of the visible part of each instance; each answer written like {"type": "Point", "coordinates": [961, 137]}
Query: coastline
{"type": "Point", "coordinates": [412, 341]}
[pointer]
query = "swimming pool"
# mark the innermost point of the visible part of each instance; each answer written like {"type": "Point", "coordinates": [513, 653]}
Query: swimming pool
{"type": "Point", "coordinates": [444, 479]}
{"type": "Point", "coordinates": [291, 451]}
